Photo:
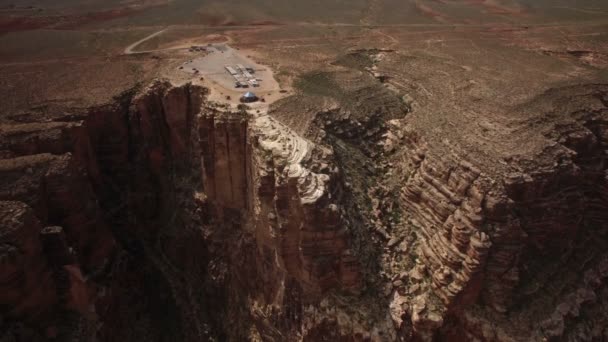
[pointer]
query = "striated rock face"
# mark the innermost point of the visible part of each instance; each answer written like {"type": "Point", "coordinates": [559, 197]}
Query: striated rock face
{"type": "Point", "coordinates": [446, 203]}
{"type": "Point", "coordinates": [164, 217]}
{"type": "Point", "coordinates": [496, 256]}
{"type": "Point", "coordinates": [445, 197]}
{"type": "Point", "coordinates": [297, 214]}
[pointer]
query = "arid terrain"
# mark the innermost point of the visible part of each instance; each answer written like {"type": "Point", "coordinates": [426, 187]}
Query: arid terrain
{"type": "Point", "coordinates": [415, 170]}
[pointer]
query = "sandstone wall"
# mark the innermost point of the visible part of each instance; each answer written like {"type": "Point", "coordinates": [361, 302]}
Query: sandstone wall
{"type": "Point", "coordinates": [260, 170]}
{"type": "Point", "coordinates": [494, 256]}
{"type": "Point", "coordinates": [159, 208]}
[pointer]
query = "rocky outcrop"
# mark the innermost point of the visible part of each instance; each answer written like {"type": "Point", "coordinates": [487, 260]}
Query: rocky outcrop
{"type": "Point", "coordinates": [488, 247]}
{"type": "Point", "coordinates": [74, 174]}
{"type": "Point", "coordinates": [27, 286]}
{"type": "Point", "coordinates": [286, 192]}
{"type": "Point", "coordinates": [298, 218]}
{"type": "Point", "coordinates": [185, 220]}
{"type": "Point", "coordinates": [48, 189]}
{"type": "Point", "coordinates": [145, 201]}
{"type": "Point", "coordinates": [40, 276]}
{"type": "Point", "coordinates": [447, 202]}
{"type": "Point", "coordinates": [225, 158]}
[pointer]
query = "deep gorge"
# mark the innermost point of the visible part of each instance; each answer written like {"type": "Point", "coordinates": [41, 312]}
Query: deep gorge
{"type": "Point", "coordinates": [161, 217]}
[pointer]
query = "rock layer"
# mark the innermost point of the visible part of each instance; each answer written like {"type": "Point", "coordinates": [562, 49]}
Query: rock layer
{"type": "Point", "coordinates": [200, 222]}
{"type": "Point", "coordinates": [493, 254]}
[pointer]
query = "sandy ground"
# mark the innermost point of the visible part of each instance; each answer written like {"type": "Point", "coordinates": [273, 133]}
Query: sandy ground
{"type": "Point", "coordinates": [211, 68]}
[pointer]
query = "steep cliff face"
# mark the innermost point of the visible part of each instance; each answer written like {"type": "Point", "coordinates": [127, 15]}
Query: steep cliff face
{"type": "Point", "coordinates": [101, 180]}
{"type": "Point", "coordinates": [552, 271]}
{"type": "Point", "coordinates": [41, 190]}
{"type": "Point", "coordinates": [159, 204]}
{"type": "Point", "coordinates": [285, 192]}
{"type": "Point", "coordinates": [478, 234]}
{"type": "Point", "coordinates": [163, 217]}
{"type": "Point", "coordinates": [24, 266]}
{"type": "Point", "coordinates": [494, 257]}
{"type": "Point", "coordinates": [152, 205]}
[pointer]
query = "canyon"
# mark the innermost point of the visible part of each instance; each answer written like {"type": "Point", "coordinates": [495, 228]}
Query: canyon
{"type": "Point", "coordinates": [414, 170]}
{"type": "Point", "coordinates": [161, 216]}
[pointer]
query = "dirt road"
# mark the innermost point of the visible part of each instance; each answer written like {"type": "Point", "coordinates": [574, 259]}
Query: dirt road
{"type": "Point", "coordinates": [129, 49]}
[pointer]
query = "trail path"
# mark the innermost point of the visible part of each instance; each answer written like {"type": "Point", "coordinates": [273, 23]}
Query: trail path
{"type": "Point", "coordinates": [130, 50]}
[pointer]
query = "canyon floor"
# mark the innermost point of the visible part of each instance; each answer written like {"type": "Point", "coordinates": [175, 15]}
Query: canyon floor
{"type": "Point", "coordinates": [418, 171]}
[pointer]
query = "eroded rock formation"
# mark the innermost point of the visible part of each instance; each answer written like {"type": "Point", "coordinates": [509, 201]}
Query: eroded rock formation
{"type": "Point", "coordinates": [494, 256]}
{"type": "Point", "coordinates": [285, 190]}
{"type": "Point", "coordinates": [220, 215]}
{"type": "Point", "coordinates": [163, 217]}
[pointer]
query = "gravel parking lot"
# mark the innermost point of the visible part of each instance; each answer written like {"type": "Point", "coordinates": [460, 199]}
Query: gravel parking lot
{"type": "Point", "coordinates": [212, 67]}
